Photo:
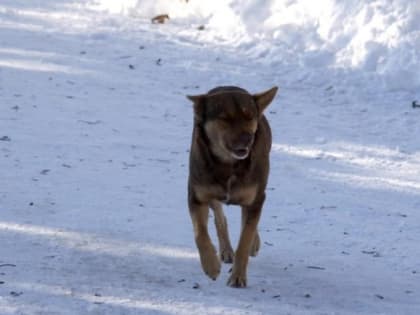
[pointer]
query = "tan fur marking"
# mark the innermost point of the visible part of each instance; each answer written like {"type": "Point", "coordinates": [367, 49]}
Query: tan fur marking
{"type": "Point", "coordinates": [216, 131]}
{"type": "Point", "coordinates": [208, 193]}
{"type": "Point", "coordinates": [245, 195]}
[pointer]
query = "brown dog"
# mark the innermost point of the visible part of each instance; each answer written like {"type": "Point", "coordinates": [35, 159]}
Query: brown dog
{"type": "Point", "coordinates": [229, 163]}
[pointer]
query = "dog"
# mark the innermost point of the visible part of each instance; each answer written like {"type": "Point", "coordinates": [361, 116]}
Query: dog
{"type": "Point", "coordinates": [229, 163]}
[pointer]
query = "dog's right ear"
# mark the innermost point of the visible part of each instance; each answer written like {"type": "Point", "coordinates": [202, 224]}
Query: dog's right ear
{"type": "Point", "coordinates": [198, 101]}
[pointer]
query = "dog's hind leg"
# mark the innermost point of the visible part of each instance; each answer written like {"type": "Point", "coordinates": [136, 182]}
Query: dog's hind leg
{"type": "Point", "coordinates": [209, 261]}
{"type": "Point", "coordinates": [225, 248]}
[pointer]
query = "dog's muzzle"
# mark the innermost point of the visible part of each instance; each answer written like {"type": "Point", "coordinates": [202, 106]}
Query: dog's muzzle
{"type": "Point", "coordinates": [242, 146]}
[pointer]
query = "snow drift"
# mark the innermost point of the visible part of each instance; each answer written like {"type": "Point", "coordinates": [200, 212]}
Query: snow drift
{"type": "Point", "coordinates": [380, 37]}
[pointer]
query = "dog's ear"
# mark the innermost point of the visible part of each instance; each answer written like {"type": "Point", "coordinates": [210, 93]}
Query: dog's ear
{"type": "Point", "coordinates": [198, 101]}
{"type": "Point", "coordinates": [264, 99]}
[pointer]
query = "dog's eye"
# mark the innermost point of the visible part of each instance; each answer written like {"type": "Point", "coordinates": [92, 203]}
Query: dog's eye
{"type": "Point", "coordinates": [247, 114]}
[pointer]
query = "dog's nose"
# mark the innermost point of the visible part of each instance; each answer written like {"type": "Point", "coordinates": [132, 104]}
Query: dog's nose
{"type": "Point", "coordinates": [245, 138]}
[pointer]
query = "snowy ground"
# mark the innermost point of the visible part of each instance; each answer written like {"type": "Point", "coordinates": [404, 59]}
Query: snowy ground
{"type": "Point", "coordinates": [94, 139]}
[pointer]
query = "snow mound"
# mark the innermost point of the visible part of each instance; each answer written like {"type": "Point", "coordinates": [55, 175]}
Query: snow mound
{"type": "Point", "coordinates": [380, 37]}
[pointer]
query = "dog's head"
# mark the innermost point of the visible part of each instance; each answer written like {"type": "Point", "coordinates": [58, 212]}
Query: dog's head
{"type": "Point", "coordinates": [229, 117]}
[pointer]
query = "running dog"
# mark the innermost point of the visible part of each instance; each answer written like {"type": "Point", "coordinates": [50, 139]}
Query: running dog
{"type": "Point", "coordinates": [229, 163]}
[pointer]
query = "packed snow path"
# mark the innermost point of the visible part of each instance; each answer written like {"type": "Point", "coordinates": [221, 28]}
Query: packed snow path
{"type": "Point", "coordinates": [94, 139]}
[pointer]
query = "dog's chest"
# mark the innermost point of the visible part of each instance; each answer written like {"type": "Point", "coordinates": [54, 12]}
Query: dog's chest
{"type": "Point", "coordinates": [236, 192]}
{"type": "Point", "coordinates": [226, 197]}
{"type": "Point", "coordinates": [232, 190]}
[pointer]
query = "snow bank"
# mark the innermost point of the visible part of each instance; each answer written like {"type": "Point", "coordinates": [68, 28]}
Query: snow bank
{"type": "Point", "coordinates": [380, 37]}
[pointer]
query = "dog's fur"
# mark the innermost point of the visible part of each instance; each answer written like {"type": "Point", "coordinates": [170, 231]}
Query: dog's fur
{"type": "Point", "coordinates": [229, 163]}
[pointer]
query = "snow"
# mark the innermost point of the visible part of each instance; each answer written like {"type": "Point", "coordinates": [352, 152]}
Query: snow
{"type": "Point", "coordinates": [380, 37]}
{"type": "Point", "coordinates": [94, 137]}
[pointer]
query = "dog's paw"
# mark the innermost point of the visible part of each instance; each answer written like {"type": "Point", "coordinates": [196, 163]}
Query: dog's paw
{"type": "Point", "coordinates": [255, 246]}
{"type": "Point", "coordinates": [211, 264]}
{"type": "Point", "coordinates": [237, 280]}
{"type": "Point", "coordinates": [227, 255]}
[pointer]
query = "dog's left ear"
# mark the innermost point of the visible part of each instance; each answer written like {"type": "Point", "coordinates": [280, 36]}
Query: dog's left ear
{"type": "Point", "coordinates": [198, 101]}
{"type": "Point", "coordinates": [265, 98]}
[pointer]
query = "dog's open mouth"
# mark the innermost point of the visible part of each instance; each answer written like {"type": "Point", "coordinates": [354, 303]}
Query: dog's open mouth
{"type": "Point", "coordinates": [240, 154]}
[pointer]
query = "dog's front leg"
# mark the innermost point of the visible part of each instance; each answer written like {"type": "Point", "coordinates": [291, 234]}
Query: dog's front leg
{"type": "Point", "coordinates": [225, 248]}
{"type": "Point", "coordinates": [251, 216]}
{"type": "Point", "coordinates": [209, 261]}
{"type": "Point", "coordinates": [255, 244]}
